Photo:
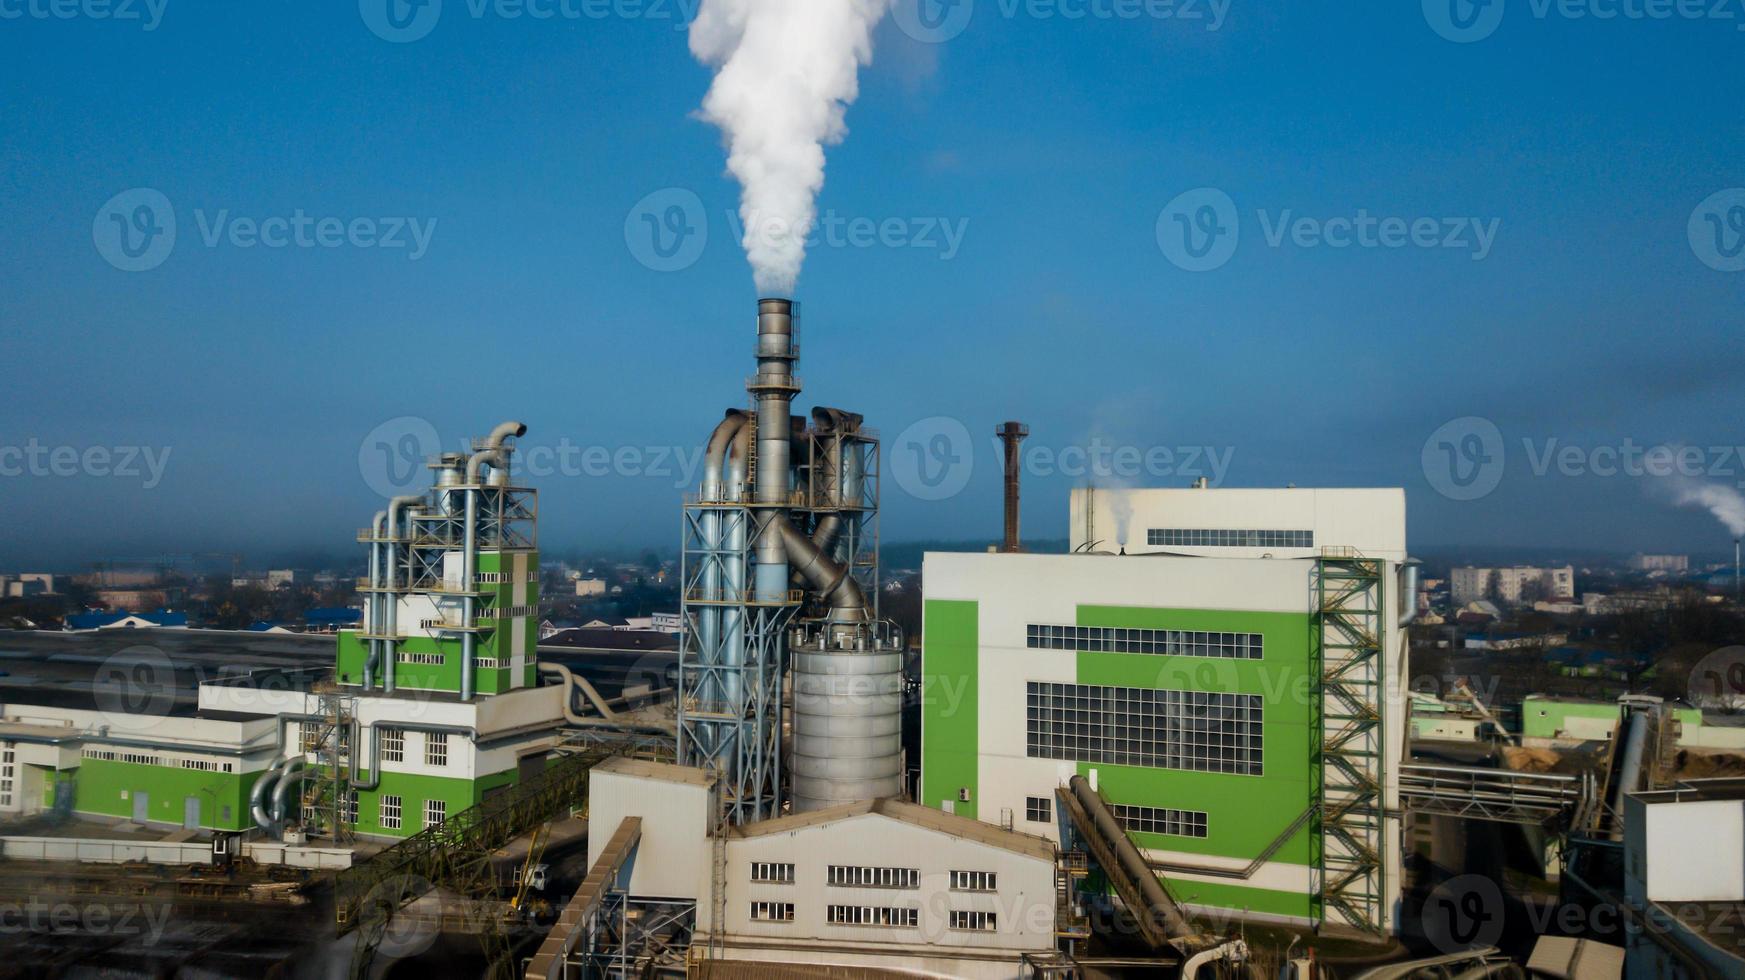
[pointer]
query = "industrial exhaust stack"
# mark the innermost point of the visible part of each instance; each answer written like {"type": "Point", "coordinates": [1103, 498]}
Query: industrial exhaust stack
{"type": "Point", "coordinates": [1011, 434]}
{"type": "Point", "coordinates": [780, 567]}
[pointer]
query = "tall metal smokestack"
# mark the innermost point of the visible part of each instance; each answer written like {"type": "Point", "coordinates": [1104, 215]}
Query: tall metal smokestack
{"type": "Point", "coordinates": [1012, 433]}
{"type": "Point", "coordinates": [1736, 594]}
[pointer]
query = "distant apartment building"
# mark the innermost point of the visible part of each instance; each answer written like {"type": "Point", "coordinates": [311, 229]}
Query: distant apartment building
{"type": "Point", "coordinates": [1676, 564]}
{"type": "Point", "coordinates": [590, 586]}
{"type": "Point", "coordinates": [1470, 584]}
{"type": "Point", "coordinates": [281, 578]}
{"type": "Point", "coordinates": [150, 598]}
{"type": "Point", "coordinates": [1601, 604]}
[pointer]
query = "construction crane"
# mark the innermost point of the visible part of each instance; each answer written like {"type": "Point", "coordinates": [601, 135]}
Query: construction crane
{"type": "Point", "coordinates": [531, 874]}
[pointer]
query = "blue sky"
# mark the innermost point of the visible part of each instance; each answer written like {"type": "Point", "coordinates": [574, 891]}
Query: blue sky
{"type": "Point", "coordinates": [523, 148]}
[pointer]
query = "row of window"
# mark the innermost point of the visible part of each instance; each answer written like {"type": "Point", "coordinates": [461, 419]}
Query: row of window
{"type": "Point", "coordinates": [1159, 820]}
{"type": "Point", "coordinates": [508, 612]}
{"type": "Point", "coordinates": [1172, 643]}
{"type": "Point", "coordinates": [850, 876]}
{"type": "Point", "coordinates": [426, 659]}
{"type": "Point", "coordinates": [876, 915]}
{"type": "Point", "coordinates": [8, 775]}
{"type": "Point", "coordinates": [1197, 731]}
{"type": "Point", "coordinates": [774, 874]}
{"type": "Point", "coordinates": [873, 915]}
{"type": "Point", "coordinates": [502, 578]}
{"type": "Point", "coordinates": [1227, 538]}
{"type": "Point", "coordinates": [143, 759]}
{"type": "Point", "coordinates": [973, 881]}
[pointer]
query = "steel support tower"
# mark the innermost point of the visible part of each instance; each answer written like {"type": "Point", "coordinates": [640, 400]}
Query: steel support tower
{"type": "Point", "coordinates": [730, 679]}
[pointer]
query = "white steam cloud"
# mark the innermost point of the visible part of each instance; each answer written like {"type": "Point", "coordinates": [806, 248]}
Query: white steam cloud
{"type": "Point", "coordinates": [1726, 503]}
{"type": "Point", "coordinates": [787, 71]}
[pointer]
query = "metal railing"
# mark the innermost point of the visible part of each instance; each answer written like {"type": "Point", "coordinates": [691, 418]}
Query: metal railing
{"type": "Point", "coordinates": [1491, 794]}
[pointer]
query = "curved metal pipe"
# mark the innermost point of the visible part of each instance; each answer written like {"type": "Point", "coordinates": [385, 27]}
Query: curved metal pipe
{"type": "Point", "coordinates": [493, 447]}
{"type": "Point", "coordinates": [571, 684]}
{"type": "Point", "coordinates": [391, 645]}
{"type": "Point", "coordinates": [714, 472]}
{"type": "Point", "coordinates": [494, 454]}
{"type": "Point", "coordinates": [295, 772]}
{"type": "Point", "coordinates": [257, 796]}
{"type": "Point", "coordinates": [828, 578]}
{"type": "Point", "coordinates": [373, 624]}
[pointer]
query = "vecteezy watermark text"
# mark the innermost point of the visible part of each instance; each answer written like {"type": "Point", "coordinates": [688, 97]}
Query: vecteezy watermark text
{"type": "Point", "coordinates": [938, 21]}
{"type": "Point", "coordinates": [136, 230]}
{"type": "Point", "coordinates": [93, 918]}
{"type": "Point", "coordinates": [1470, 21]}
{"type": "Point", "coordinates": [148, 14]}
{"type": "Point", "coordinates": [404, 21]}
{"type": "Point", "coordinates": [668, 230]}
{"type": "Point", "coordinates": [33, 458]}
{"type": "Point", "coordinates": [1199, 230]}
{"type": "Point", "coordinates": [1466, 458]}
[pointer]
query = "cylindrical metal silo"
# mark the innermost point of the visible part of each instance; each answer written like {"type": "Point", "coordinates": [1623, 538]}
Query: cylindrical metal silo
{"type": "Point", "coordinates": [848, 725]}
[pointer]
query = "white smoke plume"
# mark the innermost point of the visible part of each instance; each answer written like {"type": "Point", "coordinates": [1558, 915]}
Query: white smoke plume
{"type": "Point", "coordinates": [1726, 503]}
{"type": "Point", "coordinates": [787, 71]}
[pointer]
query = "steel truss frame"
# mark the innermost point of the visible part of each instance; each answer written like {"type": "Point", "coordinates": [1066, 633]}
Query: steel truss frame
{"type": "Point", "coordinates": [729, 706]}
{"type": "Point", "coordinates": [1347, 773]}
{"type": "Point", "coordinates": [455, 855]}
{"type": "Point", "coordinates": [631, 938]}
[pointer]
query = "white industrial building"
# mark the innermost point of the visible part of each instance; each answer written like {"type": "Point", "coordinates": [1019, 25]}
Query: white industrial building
{"type": "Point", "coordinates": [1188, 679]}
{"type": "Point", "coordinates": [1684, 880]}
{"type": "Point", "coordinates": [875, 885]}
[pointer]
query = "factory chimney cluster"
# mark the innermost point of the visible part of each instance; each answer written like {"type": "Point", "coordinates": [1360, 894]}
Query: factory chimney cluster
{"type": "Point", "coordinates": [780, 553]}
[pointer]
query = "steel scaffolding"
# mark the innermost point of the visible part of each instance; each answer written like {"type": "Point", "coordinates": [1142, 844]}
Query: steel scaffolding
{"type": "Point", "coordinates": [1347, 775]}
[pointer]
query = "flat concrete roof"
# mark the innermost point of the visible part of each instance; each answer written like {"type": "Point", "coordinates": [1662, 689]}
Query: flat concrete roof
{"type": "Point", "coordinates": [647, 769]}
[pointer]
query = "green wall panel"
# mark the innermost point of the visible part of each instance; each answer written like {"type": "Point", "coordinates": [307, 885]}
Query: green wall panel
{"type": "Point", "coordinates": [99, 784]}
{"type": "Point", "coordinates": [949, 652]}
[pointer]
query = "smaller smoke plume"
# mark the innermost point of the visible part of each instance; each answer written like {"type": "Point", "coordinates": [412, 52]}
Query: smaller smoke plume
{"type": "Point", "coordinates": [1120, 508]}
{"type": "Point", "coordinates": [1726, 503]}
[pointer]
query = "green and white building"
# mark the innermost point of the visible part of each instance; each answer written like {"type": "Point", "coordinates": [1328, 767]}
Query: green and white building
{"type": "Point", "coordinates": [1230, 685]}
{"type": "Point", "coordinates": [427, 709]}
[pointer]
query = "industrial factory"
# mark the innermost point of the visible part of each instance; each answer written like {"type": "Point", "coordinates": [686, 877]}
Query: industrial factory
{"type": "Point", "coordinates": [1180, 746]}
